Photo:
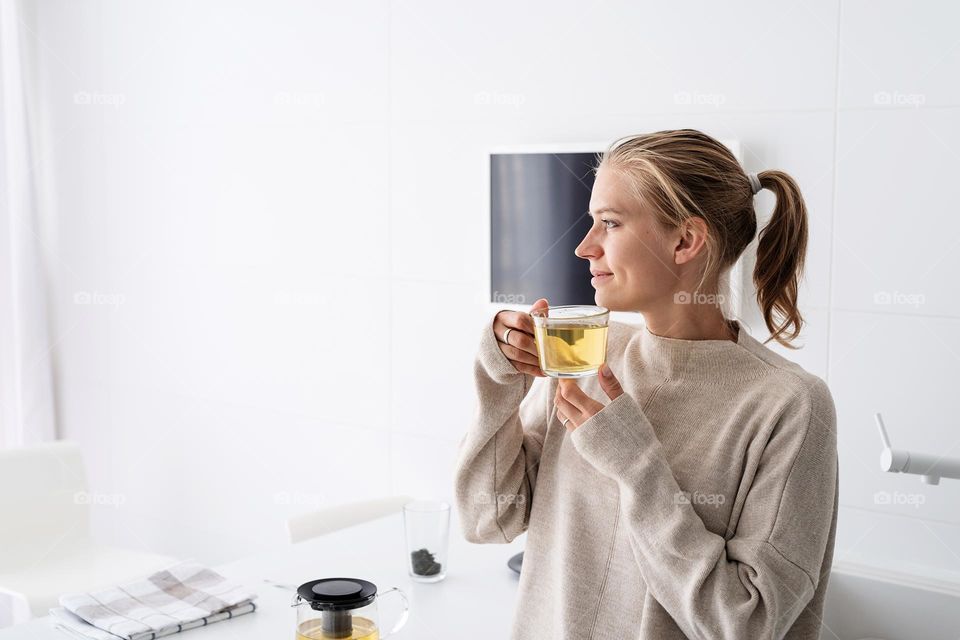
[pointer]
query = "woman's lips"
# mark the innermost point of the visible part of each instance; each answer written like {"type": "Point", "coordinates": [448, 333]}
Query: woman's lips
{"type": "Point", "coordinates": [600, 279]}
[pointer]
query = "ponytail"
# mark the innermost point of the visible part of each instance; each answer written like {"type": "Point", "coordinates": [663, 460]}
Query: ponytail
{"type": "Point", "coordinates": [781, 250]}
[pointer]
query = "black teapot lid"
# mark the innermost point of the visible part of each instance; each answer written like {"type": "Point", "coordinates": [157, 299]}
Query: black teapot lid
{"type": "Point", "coordinates": [337, 594]}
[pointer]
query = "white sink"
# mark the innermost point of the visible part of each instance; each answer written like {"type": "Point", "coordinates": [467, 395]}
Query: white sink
{"type": "Point", "coordinates": [867, 603]}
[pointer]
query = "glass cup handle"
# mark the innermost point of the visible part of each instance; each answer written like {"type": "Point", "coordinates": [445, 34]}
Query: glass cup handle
{"type": "Point", "coordinates": [403, 616]}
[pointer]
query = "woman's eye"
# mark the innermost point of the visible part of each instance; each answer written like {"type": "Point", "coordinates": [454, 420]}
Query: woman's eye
{"type": "Point", "coordinates": [610, 222]}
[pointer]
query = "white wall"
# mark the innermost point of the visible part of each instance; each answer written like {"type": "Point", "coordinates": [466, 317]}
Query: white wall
{"type": "Point", "coordinates": [285, 200]}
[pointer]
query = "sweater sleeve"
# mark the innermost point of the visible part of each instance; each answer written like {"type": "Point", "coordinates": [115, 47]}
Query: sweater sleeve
{"type": "Point", "coordinates": [497, 458]}
{"type": "Point", "coordinates": [756, 583]}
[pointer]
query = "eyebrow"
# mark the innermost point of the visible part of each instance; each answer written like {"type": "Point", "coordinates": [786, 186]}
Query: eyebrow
{"type": "Point", "coordinates": [603, 210]}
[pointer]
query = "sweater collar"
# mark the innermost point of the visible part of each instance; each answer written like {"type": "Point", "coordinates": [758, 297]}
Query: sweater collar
{"type": "Point", "coordinates": [706, 360]}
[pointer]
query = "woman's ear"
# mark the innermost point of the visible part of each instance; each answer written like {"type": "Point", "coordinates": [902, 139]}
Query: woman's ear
{"type": "Point", "coordinates": [692, 240]}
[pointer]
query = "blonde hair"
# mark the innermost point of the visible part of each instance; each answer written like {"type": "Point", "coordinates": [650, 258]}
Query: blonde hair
{"type": "Point", "coordinates": [685, 173]}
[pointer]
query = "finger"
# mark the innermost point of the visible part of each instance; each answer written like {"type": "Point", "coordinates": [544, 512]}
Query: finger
{"type": "Point", "coordinates": [577, 397]}
{"type": "Point", "coordinates": [540, 305]}
{"type": "Point", "coordinates": [529, 369]}
{"type": "Point", "coordinates": [525, 321]}
{"type": "Point", "coordinates": [519, 355]}
{"type": "Point", "coordinates": [521, 320]}
{"type": "Point", "coordinates": [524, 342]}
{"type": "Point", "coordinates": [567, 408]}
{"type": "Point", "coordinates": [516, 320]}
{"type": "Point", "coordinates": [609, 383]}
{"type": "Point", "coordinates": [517, 338]}
{"type": "Point", "coordinates": [569, 388]}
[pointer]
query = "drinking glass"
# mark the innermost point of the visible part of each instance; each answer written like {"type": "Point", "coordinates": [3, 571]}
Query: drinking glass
{"type": "Point", "coordinates": [571, 339]}
{"type": "Point", "coordinates": [426, 525]}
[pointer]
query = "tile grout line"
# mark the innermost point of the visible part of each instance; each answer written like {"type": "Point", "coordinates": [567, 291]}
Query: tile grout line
{"type": "Point", "coordinates": [391, 336]}
{"type": "Point", "coordinates": [834, 213]}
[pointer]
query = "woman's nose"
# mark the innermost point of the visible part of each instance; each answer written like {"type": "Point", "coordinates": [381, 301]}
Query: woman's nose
{"type": "Point", "coordinates": [587, 248]}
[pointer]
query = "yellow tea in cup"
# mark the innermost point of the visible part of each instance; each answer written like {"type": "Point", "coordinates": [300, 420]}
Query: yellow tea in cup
{"type": "Point", "coordinates": [571, 340]}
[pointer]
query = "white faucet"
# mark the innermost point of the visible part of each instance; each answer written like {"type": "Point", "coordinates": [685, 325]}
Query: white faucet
{"type": "Point", "coordinates": [929, 468]}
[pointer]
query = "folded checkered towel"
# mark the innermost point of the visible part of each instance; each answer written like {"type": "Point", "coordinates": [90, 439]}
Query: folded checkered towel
{"type": "Point", "coordinates": [180, 597]}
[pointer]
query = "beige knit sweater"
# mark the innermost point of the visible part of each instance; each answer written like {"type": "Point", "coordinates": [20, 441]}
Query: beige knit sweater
{"type": "Point", "coordinates": [701, 503]}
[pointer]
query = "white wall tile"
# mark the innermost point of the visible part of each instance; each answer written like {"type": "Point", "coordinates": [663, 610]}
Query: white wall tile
{"type": "Point", "coordinates": [895, 248]}
{"type": "Point", "coordinates": [572, 58]}
{"type": "Point", "coordinates": [423, 466]}
{"type": "Point", "coordinates": [434, 341]}
{"type": "Point", "coordinates": [289, 63]}
{"type": "Point", "coordinates": [897, 54]}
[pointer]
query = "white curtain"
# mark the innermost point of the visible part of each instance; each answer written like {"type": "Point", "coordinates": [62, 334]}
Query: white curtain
{"type": "Point", "coordinates": [26, 381]}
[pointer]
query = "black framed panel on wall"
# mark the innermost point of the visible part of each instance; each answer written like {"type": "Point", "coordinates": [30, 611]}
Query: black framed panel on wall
{"type": "Point", "coordinates": [538, 216]}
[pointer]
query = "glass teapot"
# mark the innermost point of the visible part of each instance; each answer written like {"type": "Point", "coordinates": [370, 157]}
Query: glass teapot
{"type": "Point", "coordinates": [342, 608]}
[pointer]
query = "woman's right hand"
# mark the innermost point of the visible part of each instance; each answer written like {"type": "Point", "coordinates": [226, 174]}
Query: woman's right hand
{"type": "Point", "coordinates": [522, 350]}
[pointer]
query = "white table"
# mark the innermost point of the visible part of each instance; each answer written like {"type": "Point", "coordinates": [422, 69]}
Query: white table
{"type": "Point", "coordinates": [475, 600]}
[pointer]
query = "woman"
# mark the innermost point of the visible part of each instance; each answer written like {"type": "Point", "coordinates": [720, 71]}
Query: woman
{"type": "Point", "coordinates": [690, 490]}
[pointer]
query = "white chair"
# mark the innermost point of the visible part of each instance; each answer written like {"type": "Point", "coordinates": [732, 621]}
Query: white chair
{"type": "Point", "coordinates": [45, 543]}
{"type": "Point", "coordinates": [318, 523]}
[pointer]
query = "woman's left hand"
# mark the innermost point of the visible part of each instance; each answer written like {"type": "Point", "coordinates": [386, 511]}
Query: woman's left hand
{"type": "Point", "coordinates": [573, 403]}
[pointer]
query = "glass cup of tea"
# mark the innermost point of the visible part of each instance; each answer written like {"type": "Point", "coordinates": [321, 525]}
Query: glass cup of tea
{"type": "Point", "coordinates": [571, 339]}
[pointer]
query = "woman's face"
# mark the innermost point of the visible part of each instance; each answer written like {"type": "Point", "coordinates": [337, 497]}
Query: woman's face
{"type": "Point", "coordinates": [626, 242]}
